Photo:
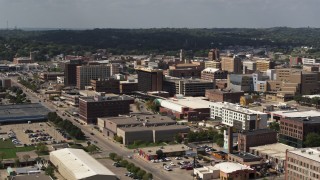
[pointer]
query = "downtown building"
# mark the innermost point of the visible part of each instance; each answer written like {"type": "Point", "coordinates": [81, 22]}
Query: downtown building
{"type": "Point", "coordinates": [149, 79]}
{"type": "Point", "coordinates": [235, 116]}
{"type": "Point", "coordinates": [103, 105]}
{"type": "Point", "coordinates": [88, 72]}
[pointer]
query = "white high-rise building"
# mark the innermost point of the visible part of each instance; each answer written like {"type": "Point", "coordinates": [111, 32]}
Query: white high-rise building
{"type": "Point", "coordinates": [235, 116]}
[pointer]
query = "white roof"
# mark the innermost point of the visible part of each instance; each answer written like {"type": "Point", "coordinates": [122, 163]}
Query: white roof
{"type": "Point", "coordinates": [276, 150]}
{"type": "Point", "coordinates": [234, 107]}
{"type": "Point", "coordinates": [211, 70]}
{"type": "Point", "coordinates": [80, 163]}
{"type": "Point", "coordinates": [295, 113]}
{"type": "Point", "coordinates": [310, 153]}
{"type": "Point", "coordinates": [191, 102]}
{"type": "Point", "coordinates": [229, 167]}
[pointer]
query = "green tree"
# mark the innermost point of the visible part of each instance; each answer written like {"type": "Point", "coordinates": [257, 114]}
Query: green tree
{"type": "Point", "coordinates": [141, 173]}
{"type": "Point", "coordinates": [124, 163]}
{"type": "Point", "coordinates": [50, 171]}
{"type": "Point", "coordinates": [112, 155]}
{"type": "Point", "coordinates": [159, 153]}
{"type": "Point", "coordinates": [135, 169]}
{"type": "Point", "coordinates": [275, 126]}
{"type": "Point", "coordinates": [220, 142]}
{"type": "Point", "coordinates": [92, 148]}
{"type": "Point", "coordinates": [130, 166]}
{"type": "Point", "coordinates": [147, 176]}
{"type": "Point", "coordinates": [312, 140]}
{"type": "Point", "coordinates": [178, 138]}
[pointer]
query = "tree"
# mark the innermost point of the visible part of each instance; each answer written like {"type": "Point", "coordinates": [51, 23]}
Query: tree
{"type": "Point", "coordinates": [42, 148]}
{"type": "Point", "coordinates": [178, 138]}
{"type": "Point", "coordinates": [159, 153]}
{"type": "Point", "coordinates": [312, 140]}
{"type": "Point", "coordinates": [147, 176]}
{"type": "Point", "coordinates": [112, 155]}
{"type": "Point", "coordinates": [135, 169]}
{"type": "Point", "coordinates": [26, 157]}
{"type": "Point", "coordinates": [124, 163]}
{"type": "Point", "coordinates": [50, 171]}
{"type": "Point", "coordinates": [220, 142]}
{"type": "Point", "coordinates": [118, 158]}
{"type": "Point", "coordinates": [141, 173]}
{"type": "Point", "coordinates": [275, 126]}
{"type": "Point", "coordinates": [92, 148]}
{"type": "Point", "coordinates": [130, 167]}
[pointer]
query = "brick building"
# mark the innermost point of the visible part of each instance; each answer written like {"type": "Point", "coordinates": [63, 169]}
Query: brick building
{"type": "Point", "coordinates": [88, 72]}
{"type": "Point", "coordinates": [214, 55]}
{"type": "Point", "coordinates": [128, 87]}
{"type": "Point", "coordinates": [303, 164]}
{"type": "Point", "coordinates": [5, 83]}
{"type": "Point", "coordinates": [293, 131]}
{"type": "Point", "coordinates": [211, 74]}
{"type": "Point", "coordinates": [189, 108]}
{"type": "Point", "coordinates": [186, 87]}
{"type": "Point", "coordinates": [150, 79]}
{"type": "Point", "coordinates": [109, 85]}
{"type": "Point", "coordinates": [101, 105]}
{"type": "Point", "coordinates": [50, 76]}
{"type": "Point", "coordinates": [257, 137]}
{"type": "Point", "coordinates": [224, 95]}
{"type": "Point", "coordinates": [231, 64]}
{"type": "Point", "coordinates": [70, 72]}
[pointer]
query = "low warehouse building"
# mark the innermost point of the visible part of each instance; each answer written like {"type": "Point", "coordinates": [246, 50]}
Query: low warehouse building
{"type": "Point", "coordinates": [23, 113]}
{"type": "Point", "coordinates": [76, 164]}
{"type": "Point", "coordinates": [151, 134]}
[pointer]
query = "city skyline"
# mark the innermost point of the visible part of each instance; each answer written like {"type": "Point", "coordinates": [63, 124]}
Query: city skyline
{"type": "Point", "coordinates": [85, 14]}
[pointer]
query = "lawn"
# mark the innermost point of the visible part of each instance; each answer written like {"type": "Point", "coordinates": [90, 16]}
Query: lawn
{"type": "Point", "coordinates": [11, 152]}
{"type": "Point", "coordinates": [6, 144]}
{"type": "Point", "coordinates": [142, 145]}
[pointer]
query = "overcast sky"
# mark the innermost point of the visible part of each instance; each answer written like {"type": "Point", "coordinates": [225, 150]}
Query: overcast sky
{"type": "Point", "coordinates": [159, 13]}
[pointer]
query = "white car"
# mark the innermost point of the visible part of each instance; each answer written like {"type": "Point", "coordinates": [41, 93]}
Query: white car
{"type": "Point", "coordinates": [167, 159]}
{"type": "Point", "coordinates": [177, 158]}
{"type": "Point", "coordinates": [172, 164]}
{"type": "Point", "coordinates": [167, 168]}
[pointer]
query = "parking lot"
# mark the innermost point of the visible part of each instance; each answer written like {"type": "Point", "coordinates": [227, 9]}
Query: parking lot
{"type": "Point", "coordinates": [33, 133]}
{"type": "Point", "coordinates": [178, 167]}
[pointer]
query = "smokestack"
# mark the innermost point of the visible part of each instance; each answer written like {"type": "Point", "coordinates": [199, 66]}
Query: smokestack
{"type": "Point", "coordinates": [230, 140]}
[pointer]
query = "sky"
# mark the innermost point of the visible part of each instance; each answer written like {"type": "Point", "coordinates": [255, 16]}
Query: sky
{"type": "Point", "coordinates": [90, 14]}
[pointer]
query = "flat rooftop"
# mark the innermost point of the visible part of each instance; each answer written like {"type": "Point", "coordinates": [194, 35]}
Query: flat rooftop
{"type": "Point", "coordinates": [139, 119]}
{"type": "Point", "coordinates": [274, 150]}
{"type": "Point", "coordinates": [186, 80]}
{"type": "Point", "coordinates": [166, 149]}
{"type": "Point", "coordinates": [191, 102]}
{"type": "Point", "coordinates": [257, 131]}
{"type": "Point", "coordinates": [32, 177]}
{"type": "Point", "coordinates": [309, 153]}
{"type": "Point", "coordinates": [23, 112]}
{"type": "Point", "coordinates": [235, 107]}
{"type": "Point", "coordinates": [306, 120]}
{"type": "Point", "coordinates": [224, 91]}
{"type": "Point", "coordinates": [295, 113]}
{"type": "Point", "coordinates": [246, 156]}
{"type": "Point", "coordinates": [107, 97]}
{"type": "Point", "coordinates": [156, 128]}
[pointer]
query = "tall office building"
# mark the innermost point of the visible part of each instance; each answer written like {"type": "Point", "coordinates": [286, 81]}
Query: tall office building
{"type": "Point", "coordinates": [70, 72]}
{"type": "Point", "coordinates": [231, 64]}
{"type": "Point", "coordinates": [214, 55]}
{"type": "Point", "coordinates": [86, 73]}
{"type": "Point", "coordinates": [150, 79]}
